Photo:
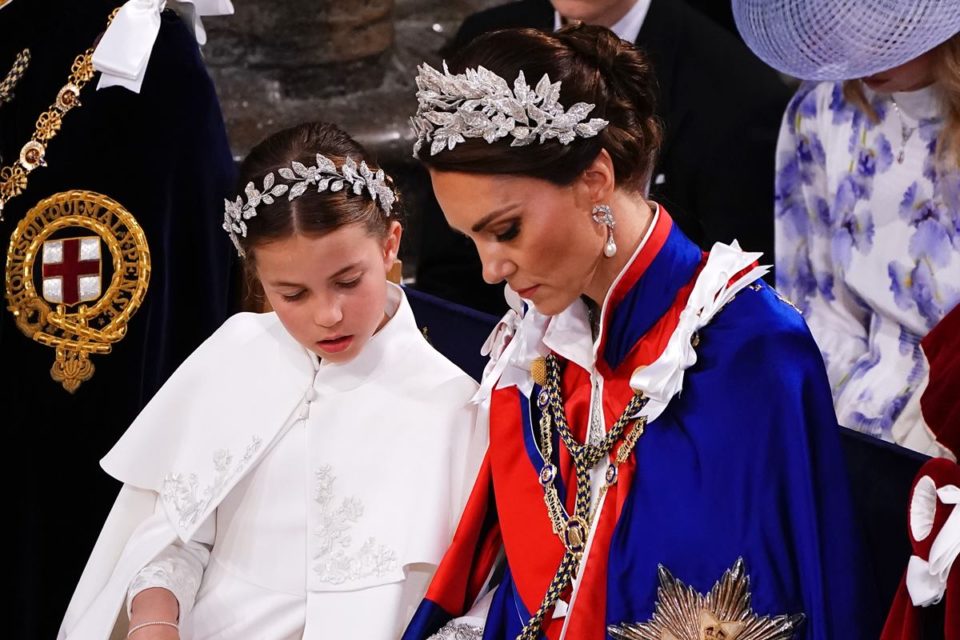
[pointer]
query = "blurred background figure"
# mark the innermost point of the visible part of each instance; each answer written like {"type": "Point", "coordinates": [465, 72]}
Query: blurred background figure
{"type": "Point", "coordinates": [868, 193]}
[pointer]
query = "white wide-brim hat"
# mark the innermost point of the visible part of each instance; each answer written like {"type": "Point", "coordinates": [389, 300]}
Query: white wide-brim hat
{"type": "Point", "coordinates": [843, 39]}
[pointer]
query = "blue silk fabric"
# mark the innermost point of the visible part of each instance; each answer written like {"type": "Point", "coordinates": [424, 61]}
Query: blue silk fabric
{"type": "Point", "coordinates": [745, 463]}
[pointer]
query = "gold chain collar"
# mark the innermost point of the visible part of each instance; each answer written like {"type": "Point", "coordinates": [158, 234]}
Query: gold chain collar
{"type": "Point", "coordinates": [574, 530]}
{"type": "Point", "coordinates": [14, 177]}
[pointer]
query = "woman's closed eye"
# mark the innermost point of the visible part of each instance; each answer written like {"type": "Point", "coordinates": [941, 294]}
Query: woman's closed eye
{"type": "Point", "coordinates": [508, 233]}
{"type": "Point", "coordinates": [349, 284]}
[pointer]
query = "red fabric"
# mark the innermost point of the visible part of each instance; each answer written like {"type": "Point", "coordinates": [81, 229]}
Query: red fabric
{"type": "Point", "coordinates": [533, 551]}
{"type": "Point", "coordinates": [458, 582]}
{"type": "Point", "coordinates": [658, 237]}
{"type": "Point", "coordinates": [905, 621]}
{"type": "Point", "coordinates": [591, 596]}
{"type": "Point", "coordinates": [940, 403]}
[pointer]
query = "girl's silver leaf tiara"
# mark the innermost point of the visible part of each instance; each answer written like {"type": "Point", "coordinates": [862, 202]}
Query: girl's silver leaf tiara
{"type": "Point", "coordinates": [480, 104]}
{"type": "Point", "coordinates": [324, 175]}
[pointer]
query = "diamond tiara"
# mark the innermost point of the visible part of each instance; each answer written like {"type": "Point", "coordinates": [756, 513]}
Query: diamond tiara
{"type": "Point", "coordinates": [480, 104]}
{"type": "Point", "coordinates": [324, 175]}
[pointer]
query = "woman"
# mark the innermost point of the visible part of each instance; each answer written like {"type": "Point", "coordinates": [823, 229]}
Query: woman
{"type": "Point", "coordinates": [868, 192]}
{"type": "Point", "coordinates": [657, 416]}
{"type": "Point", "coordinates": [300, 475]}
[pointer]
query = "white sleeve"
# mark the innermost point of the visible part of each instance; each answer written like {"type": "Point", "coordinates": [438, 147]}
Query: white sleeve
{"type": "Point", "coordinates": [804, 226]}
{"type": "Point", "coordinates": [178, 568]}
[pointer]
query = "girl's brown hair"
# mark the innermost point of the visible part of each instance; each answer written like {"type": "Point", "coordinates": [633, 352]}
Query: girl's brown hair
{"type": "Point", "coordinates": [313, 213]}
{"type": "Point", "coordinates": [593, 65]}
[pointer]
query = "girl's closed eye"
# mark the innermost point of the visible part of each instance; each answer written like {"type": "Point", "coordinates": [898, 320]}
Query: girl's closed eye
{"type": "Point", "coordinates": [292, 297]}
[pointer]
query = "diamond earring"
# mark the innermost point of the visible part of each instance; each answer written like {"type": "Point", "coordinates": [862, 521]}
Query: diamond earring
{"type": "Point", "coordinates": [603, 215]}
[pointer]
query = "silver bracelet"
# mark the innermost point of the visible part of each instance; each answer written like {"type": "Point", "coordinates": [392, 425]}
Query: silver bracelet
{"type": "Point", "coordinates": [151, 624]}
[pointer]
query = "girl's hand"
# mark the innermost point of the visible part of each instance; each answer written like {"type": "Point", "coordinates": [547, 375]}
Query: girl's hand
{"type": "Point", "coordinates": [151, 605]}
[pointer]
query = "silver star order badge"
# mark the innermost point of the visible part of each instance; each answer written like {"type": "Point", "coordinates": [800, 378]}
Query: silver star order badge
{"type": "Point", "coordinates": [723, 614]}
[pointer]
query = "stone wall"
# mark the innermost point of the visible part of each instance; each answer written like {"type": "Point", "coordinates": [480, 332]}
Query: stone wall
{"type": "Point", "coordinates": [280, 62]}
{"type": "Point", "coordinates": [277, 63]}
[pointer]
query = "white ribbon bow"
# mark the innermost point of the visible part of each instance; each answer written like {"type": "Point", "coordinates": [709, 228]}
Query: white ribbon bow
{"type": "Point", "coordinates": [124, 50]}
{"type": "Point", "coordinates": [663, 379]}
{"type": "Point", "coordinates": [518, 340]}
{"type": "Point", "coordinates": [514, 344]}
{"type": "Point", "coordinates": [927, 579]}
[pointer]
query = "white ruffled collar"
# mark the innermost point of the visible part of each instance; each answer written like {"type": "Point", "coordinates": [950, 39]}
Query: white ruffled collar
{"type": "Point", "coordinates": [522, 336]}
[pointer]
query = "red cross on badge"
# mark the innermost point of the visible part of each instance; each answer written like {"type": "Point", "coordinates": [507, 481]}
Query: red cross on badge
{"type": "Point", "coordinates": [71, 270]}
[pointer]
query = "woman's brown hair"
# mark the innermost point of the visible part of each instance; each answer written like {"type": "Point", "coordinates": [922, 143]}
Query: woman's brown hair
{"type": "Point", "coordinates": [594, 66]}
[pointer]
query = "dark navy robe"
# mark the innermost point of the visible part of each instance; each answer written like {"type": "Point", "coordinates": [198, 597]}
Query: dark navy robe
{"type": "Point", "coordinates": [163, 155]}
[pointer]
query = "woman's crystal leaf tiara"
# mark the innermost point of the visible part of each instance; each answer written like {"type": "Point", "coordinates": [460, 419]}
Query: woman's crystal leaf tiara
{"type": "Point", "coordinates": [480, 104]}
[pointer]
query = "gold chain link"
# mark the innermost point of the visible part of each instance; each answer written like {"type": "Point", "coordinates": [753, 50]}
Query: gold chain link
{"type": "Point", "coordinates": [14, 177]}
{"type": "Point", "coordinates": [574, 530]}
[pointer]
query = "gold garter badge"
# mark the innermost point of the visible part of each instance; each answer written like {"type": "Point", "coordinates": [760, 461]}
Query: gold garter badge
{"type": "Point", "coordinates": [723, 614]}
{"type": "Point", "coordinates": [56, 270]}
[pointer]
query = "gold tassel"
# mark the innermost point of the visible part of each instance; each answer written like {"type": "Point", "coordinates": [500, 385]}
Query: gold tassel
{"type": "Point", "coordinates": [538, 371]}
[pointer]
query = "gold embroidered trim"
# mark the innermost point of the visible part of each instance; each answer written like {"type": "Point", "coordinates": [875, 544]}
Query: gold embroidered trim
{"type": "Point", "coordinates": [69, 311]}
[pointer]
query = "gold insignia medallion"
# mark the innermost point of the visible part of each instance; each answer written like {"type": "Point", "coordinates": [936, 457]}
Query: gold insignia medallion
{"type": "Point", "coordinates": [60, 301]}
{"type": "Point", "coordinates": [723, 614]}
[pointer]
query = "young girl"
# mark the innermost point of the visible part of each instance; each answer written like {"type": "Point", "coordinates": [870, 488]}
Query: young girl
{"type": "Point", "coordinates": [300, 475]}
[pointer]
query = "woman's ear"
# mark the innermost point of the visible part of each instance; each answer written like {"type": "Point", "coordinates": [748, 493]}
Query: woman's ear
{"type": "Point", "coordinates": [598, 181]}
{"type": "Point", "coordinates": [391, 244]}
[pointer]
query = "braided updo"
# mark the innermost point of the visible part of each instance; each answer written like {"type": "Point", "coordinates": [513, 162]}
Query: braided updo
{"type": "Point", "coordinates": [593, 65]}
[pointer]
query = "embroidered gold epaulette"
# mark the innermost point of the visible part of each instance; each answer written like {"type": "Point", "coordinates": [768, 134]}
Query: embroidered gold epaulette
{"type": "Point", "coordinates": [723, 614]}
{"type": "Point", "coordinates": [62, 301]}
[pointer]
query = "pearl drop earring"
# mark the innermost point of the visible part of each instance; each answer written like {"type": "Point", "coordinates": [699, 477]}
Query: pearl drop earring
{"type": "Point", "coordinates": [602, 214]}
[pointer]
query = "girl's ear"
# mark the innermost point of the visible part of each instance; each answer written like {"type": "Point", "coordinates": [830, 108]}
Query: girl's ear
{"type": "Point", "coordinates": [391, 245]}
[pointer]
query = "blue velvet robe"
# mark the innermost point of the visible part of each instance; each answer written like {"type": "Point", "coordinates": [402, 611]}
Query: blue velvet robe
{"type": "Point", "coordinates": [744, 463]}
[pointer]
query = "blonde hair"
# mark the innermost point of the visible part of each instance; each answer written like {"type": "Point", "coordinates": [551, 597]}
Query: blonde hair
{"type": "Point", "coordinates": [946, 75]}
{"type": "Point", "coordinates": [946, 71]}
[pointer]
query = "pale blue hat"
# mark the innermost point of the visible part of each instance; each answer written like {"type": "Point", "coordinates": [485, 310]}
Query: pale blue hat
{"type": "Point", "coordinates": [843, 39]}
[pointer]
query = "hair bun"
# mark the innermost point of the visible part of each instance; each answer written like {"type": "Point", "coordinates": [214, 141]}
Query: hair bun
{"type": "Point", "coordinates": [594, 67]}
{"type": "Point", "coordinates": [627, 71]}
{"type": "Point", "coordinates": [626, 86]}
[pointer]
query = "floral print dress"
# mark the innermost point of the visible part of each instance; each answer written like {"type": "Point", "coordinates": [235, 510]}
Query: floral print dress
{"type": "Point", "coordinates": [868, 243]}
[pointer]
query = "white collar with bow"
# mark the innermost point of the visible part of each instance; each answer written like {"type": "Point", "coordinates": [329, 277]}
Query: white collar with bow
{"type": "Point", "coordinates": [522, 337]}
